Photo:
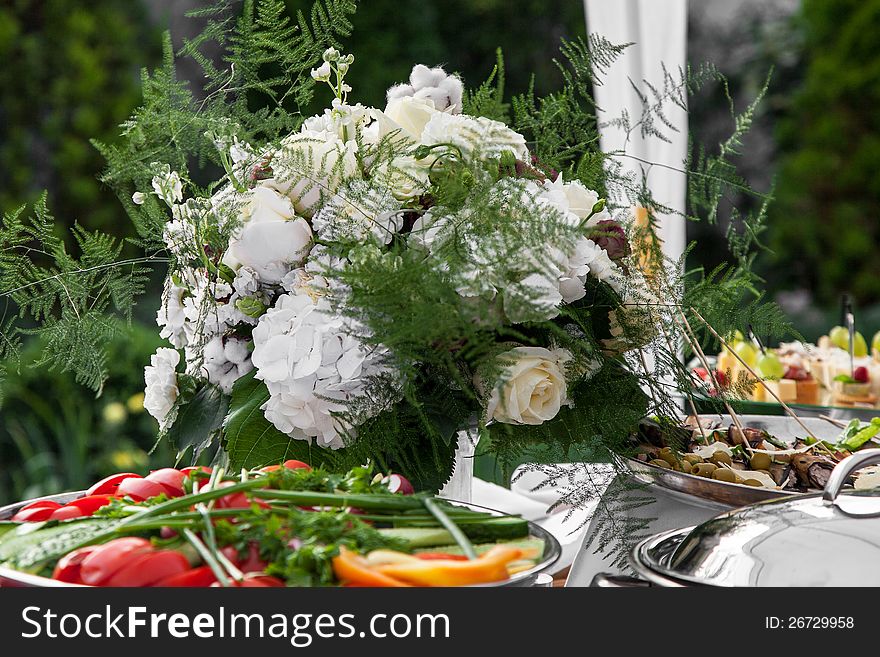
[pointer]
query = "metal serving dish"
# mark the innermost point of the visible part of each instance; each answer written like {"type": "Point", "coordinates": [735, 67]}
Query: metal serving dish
{"type": "Point", "coordinates": [552, 550]}
{"type": "Point", "coordinates": [734, 495]}
{"type": "Point", "coordinates": [830, 538]}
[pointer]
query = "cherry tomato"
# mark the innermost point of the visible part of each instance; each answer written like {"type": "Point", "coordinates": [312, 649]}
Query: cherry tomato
{"type": "Point", "coordinates": [66, 513]}
{"type": "Point", "coordinates": [270, 468]}
{"type": "Point", "coordinates": [140, 489]}
{"type": "Point", "coordinates": [68, 567]}
{"type": "Point", "coordinates": [170, 478]}
{"type": "Point", "coordinates": [109, 558]}
{"type": "Point", "coordinates": [148, 568]}
{"type": "Point", "coordinates": [90, 503]}
{"type": "Point", "coordinates": [440, 556]}
{"type": "Point", "coordinates": [292, 464]}
{"type": "Point", "coordinates": [252, 562]}
{"type": "Point", "coordinates": [108, 485]}
{"type": "Point", "coordinates": [198, 468]}
{"type": "Point", "coordinates": [35, 514]}
{"type": "Point", "coordinates": [194, 577]}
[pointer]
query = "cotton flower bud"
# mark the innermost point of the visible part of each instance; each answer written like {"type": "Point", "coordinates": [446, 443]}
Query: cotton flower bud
{"type": "Point", "coordinates": [251, 306]}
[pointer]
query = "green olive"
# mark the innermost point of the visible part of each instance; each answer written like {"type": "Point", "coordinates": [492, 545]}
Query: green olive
{"type": "Point", "coordinates": [760, 461]}
{"type": "Point", "coordinates": [704, 469]}
{"type": "Point", "coordinates": [752, 482]}
{"type": "Point", "coordinates": [693, 459]}
{"type": "Point", "coordinates": [660, 463]}
{"type": "Point", "coordinates": [725, 474]}
{"type": "Point", "coordinates": [720, 457]}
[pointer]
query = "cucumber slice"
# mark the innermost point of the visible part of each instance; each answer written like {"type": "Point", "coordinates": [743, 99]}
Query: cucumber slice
{"type": "Point", "coordinates": [493, 529]}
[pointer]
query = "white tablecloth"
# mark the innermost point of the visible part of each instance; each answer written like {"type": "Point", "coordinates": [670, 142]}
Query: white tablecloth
{"type": "Point", "coordinates": [528, 498]}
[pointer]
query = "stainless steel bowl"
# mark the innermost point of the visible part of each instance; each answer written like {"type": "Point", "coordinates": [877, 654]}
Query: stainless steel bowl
{"type": "Point", "coordinates": [552, 550]}
{"type": "Point", "coordinates": [734, 495]}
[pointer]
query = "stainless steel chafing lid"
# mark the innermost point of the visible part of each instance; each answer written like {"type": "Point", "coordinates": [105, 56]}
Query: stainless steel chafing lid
{"type": "Point", "coordinates": [827, 539]}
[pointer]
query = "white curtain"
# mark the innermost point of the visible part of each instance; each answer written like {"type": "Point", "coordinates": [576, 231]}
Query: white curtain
{"type": "Point", "coordinates": [658, 30]}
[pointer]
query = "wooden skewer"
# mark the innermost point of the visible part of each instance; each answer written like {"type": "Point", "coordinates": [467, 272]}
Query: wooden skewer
{"type": "Point", "coordinates": [785, 406]}
{"type": "Point", "coordinates": [687, 393]}
{"type": "Point", "coordinates": [695, 345]}
{"type": "Point", "coordinates": [837, 423]}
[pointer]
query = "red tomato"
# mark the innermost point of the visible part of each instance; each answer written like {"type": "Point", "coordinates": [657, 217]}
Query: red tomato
{"type": "Point", "coordinates": [170, 478]}
{"type": "Point", "coordinates": [194, 577]}
{"type": "Point", "coordinates": [140, 489]}
{"type": "Point", "coordinates": [68, 567]}
{"type": "Point", "coordinates": [236, 500]}
{"type": "Point", "coordinates": [108, 485]}
{"type": "Point", "coordinates": [296, 465]}
{"type": "Point", "coordinates": [270, 468]}
{"type": "Point", "coordinates": [66, 513]}
{"type": "Point", "coordinates": [148, 568]}
{"type": "Point", "coordinates": [90, 503]}
{"type": "Point", "coordinates": [35, 514]}
{"type": "Point", "coordinates": [107, 559]}
{"type": "Point", "coordinates": [252, 562]}
{"type": "Point", "coordinates": [198, 468]}
{"type": "Point", "coordinates": [440, 556]}
{"type": "Point", "coordinates": [40, 503]}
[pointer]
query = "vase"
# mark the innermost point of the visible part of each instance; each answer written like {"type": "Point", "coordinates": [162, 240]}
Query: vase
{"type": "Point", "coordinates": [460, 486]}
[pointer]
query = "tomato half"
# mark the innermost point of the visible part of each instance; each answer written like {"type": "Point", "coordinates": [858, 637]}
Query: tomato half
{"type": "Point", "coordinates": [90, 503]}
{"type": "Point", "coordinates": [108, 485]}
{"type": "Point", "coordinates": [140, 489]}
{"type": "Point", "coordinates": [192, 578]}
{"type": "Point", "coordinates": [148, 568]}
{"type": "Point", "coordinates": [252, 562]}
{"type": "Point", "coordinates": [68, 567]}
{"type": "Point", "coordinates": [66, 513]}
{"type": "Point", "coordinates": [35, 514]}
{"type": "Point", "coordinates": [39, 504]}
{"type": "Point", "coordinates": [198, 468]}
{"type": "Point", "coordinates": [111, 557]}
{"type": "Point", "coordinates": [293, 464]}
{"type": "Point", "coordinates": [170, 478]}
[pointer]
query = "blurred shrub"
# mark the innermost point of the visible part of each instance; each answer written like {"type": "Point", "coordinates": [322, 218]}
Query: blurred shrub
{"type": "Point", "coordinates": [825, 224]}
{"type": "Point", "coordinates": [56, 436]}
{"type": "Point", "coordinates": [70, 72]}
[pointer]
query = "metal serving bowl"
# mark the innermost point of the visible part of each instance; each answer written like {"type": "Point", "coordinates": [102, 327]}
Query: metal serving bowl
{"type": "Point", "coordinates": [552, 550]}
{"type": "Point", "coordinates": [734, 495]}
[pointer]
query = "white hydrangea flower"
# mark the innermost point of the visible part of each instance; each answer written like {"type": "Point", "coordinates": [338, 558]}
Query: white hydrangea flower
{"type": "Point", "coordinates": [476, 137]}
{"type": "Point", "coordinates": [443, 90]}
{"type": "Point", "coordinates": [161, 389]}
{"type": "Point", "coordinates": [311, 365]}
{"type": "Point", "coordinates": [271, 238]}
{"type": "Point", "coordinates": [246, 282]}
{"type": "Point", "coordinates": [342, 122]}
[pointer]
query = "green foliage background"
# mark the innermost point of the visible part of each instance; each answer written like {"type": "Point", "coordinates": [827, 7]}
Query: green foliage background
{"type": "Point", "coordinates": [826, 220]}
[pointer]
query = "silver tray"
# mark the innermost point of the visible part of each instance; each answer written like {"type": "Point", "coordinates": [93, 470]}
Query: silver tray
{"type": "Point", "coordinates": [734, 495]}
{"type": "Point", "coordinates": [552, 550]}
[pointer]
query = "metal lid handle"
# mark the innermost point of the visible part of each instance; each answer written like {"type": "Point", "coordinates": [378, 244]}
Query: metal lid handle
{"type": "Point", "coordinates": [845, 468]}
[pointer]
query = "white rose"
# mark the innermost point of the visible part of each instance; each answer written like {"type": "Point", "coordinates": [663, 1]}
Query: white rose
{"type": "Point", "coordinates": [160, 377]}
{"type": "Point", "coordinates": [408, 116]}
{"type": "Point", "coordinates": [531, 388]}
{"type": "Point", "coordinates": [310, 167]}
{"type": "Point", "coordinates": [576, 198]}
{"type": "Point", "coordinates": [406, 177]}
{"type": "Point", "coordinates": [476, 137]}
{"type": "Point", "coordinates": [271, 239]}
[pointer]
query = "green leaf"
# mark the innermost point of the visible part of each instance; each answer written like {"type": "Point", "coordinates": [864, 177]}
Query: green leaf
{"type": "Point", "coordinates": [198, 421]}
{"type": "Point", "coordinates": [252, 441]}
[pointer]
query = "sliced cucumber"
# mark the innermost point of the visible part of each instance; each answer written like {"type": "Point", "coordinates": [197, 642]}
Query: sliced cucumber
{"type": "Point", "coordinates": [492, 529]}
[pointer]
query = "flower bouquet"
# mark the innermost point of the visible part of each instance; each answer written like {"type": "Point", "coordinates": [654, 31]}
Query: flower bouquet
{"type": "Point", "coordinates": [364, 284]}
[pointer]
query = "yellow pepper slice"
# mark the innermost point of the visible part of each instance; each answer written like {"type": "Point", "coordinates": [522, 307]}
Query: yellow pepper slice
{"type": "Point", "coordinates": [489, 567]}
{"type": "Point", "coordinates": [351, 568]}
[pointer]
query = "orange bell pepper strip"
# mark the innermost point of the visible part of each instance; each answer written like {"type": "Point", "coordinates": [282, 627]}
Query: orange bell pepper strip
{"type": "Point", "coordinates": [489, 567]}
{"type": "Point", "coordinates": [351, 568]}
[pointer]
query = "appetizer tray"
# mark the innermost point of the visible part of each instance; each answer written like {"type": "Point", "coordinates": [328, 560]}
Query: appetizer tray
{"type": "Point", "coordinates": [784, 429]}
{"type": "Point", "coordinates": [552, 549]}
